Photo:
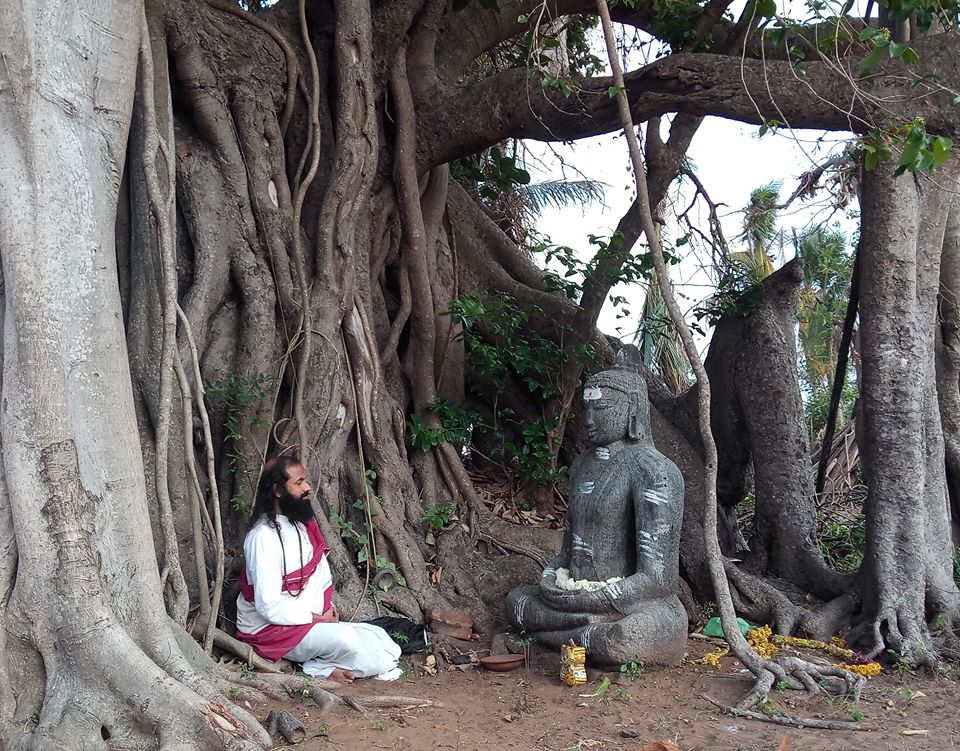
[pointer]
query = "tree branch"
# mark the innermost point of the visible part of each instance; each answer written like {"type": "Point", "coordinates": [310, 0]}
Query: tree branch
{"type": "Point", "coordinates": [464, 119]}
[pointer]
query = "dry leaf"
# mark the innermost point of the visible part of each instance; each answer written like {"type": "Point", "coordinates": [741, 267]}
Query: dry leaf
{"type": "Point", "coordinates": [661, 746]}
{"type": "Point", "coordinates": [915, 732]}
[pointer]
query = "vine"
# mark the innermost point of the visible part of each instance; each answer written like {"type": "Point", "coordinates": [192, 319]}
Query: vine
{"type": "Point", "coordinates": [238, 395]}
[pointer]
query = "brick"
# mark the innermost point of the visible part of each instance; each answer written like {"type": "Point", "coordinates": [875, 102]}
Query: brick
{"type": "Point", "coordinates": [450, 617]}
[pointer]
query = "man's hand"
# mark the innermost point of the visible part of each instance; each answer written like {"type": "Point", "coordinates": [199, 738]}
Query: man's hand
{"type": "Point", "coordinates": [331, 616]}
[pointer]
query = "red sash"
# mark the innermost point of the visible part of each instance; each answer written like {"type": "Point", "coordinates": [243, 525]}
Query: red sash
{"type": "Point", "coordinates": [274, 641]}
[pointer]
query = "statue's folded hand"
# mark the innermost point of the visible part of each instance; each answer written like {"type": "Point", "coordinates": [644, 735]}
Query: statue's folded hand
{"type": "Point", "coordinates": [583, 601]}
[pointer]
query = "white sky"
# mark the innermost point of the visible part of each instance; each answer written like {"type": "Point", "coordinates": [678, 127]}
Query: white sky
{"type": "Point", "coordinates": [730, 160]}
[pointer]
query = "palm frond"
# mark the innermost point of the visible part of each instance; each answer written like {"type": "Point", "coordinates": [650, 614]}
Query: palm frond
{"type": "Point", "coordinates": [660, 345]}
{"type": "Point", "coordinates": [760, 216]}
{"type": "Point", "coordinates": [755, 262]}
{"type": "Point", "coordinates": [560, 193]}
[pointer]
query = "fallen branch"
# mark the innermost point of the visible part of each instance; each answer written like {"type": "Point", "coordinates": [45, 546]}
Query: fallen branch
{"type": "Point", "coordinates": [788, 720]}
{"type": "Point", "coordinates": [394, 702]}
{"type": "Point", "coordinates": [244, 651]}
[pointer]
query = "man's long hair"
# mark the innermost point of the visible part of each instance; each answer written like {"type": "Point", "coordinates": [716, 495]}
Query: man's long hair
{"type": "Point", "coordinates": [273, 478]}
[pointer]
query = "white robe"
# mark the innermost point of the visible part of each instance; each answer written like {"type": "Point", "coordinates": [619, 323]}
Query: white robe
{"type": "Point", "coordinates": [365, 649]}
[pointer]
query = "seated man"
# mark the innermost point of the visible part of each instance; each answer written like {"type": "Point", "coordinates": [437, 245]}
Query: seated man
{"type": "Point", "coordinates": [285, 607]}
{"type": "Point", "coordinates": [613, 587]}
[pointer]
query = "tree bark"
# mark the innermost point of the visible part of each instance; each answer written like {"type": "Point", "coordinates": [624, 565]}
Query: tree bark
{"type": "Point", "coordinates": [907, 512]}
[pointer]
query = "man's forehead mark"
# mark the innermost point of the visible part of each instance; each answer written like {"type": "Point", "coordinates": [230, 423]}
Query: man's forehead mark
{"type": "Point", "coordinates": [592, 393]}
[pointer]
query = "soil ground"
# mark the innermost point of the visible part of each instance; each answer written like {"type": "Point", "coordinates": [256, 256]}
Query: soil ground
{"type": "Point", "coordinates": [530, 709]}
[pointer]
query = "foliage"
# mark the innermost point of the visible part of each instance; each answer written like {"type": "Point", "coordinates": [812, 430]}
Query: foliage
{"type": "Point", "coordinates": [491, 171]}
{"type": "Point", "coordinates": [439, 515]}
{"type": "Point", "coordinates": [843, 544]}
{"type": "Point", "coordinates": [660, 345]}
{"type": "Point", "coordinates": [827, 269]}
{"type": "Point", "coordinates": [238, 395]}
{"type": "Point", "coordinates": [502, 183]}
{"type": "Point", "coordinates": [737, 295]}
{"type": "Point", "coordinates": [560, 193]}
{"type": "Point", "coordinates": [358, 530]}
{"type": "Point", "coordinates": [919, 150]}
{"type": "Point", "coordinates": [557, 53]}
{"type": "Point", "coordinates": [456, 425]}
{"type": "Point", "coordinates": [760, 230]}
{"type": "Point", "coordinates": [507, 351]}
{"type": "Point", "coordinates": [882, 48]}
{"type": "Point", "coordinates": [923, 12]}
{"type": "Point", "coordinates": [632, 669]}
{"type": "Point", "coordinates": [569, 278]}
{"type": "Point", "coordinates": [675, 22]}
{"type": "Point", "coordinates": [738, 287]}
{"type": "Point", "coordinates": [501, 343]}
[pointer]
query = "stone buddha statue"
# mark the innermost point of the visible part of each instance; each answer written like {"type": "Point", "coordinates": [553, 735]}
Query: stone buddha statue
{"type": "Point", "coordinates": [613, 587]}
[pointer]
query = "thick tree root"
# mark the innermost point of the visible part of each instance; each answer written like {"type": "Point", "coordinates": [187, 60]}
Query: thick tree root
{"type": "Point", "coordinates": [758, 600]}
{"type": "Point", "coordinates": [780, 719]}
{"type": "Point", "coordinates": [899, 632]}
{"type": "Point", "coordinates": [286, 725]}
{"type": "Point", "coordinates": [795, 673]}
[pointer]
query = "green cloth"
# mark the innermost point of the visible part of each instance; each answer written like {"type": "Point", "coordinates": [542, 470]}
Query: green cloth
{"type": "Point", "coordinates": [715, 628]}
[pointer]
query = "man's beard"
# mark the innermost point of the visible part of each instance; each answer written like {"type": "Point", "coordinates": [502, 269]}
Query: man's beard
{"type": "Point", "coordinates": [294, 508]}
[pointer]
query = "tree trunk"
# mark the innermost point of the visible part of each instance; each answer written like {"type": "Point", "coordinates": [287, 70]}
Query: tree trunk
{"type": "Point", "coordinates": [86, 595]}
{"type": "Point", "coordinates": [907, 508]}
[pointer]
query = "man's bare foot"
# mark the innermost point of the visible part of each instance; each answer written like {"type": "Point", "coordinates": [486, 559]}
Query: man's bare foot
{"type": "Point", "coordinates": [341, 676]}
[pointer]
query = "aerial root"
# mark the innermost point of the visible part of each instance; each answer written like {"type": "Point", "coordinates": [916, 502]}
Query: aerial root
{"type": "Point", "coordinates": [794, 722]}
{"type": "Point", "coordinates": [792, 672]}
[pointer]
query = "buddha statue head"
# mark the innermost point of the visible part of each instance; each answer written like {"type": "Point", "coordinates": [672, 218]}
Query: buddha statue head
{"type": "Point", "coordinates": [616, 406]}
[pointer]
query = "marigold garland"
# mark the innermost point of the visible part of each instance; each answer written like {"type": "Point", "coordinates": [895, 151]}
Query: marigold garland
{"type": "Point", "coordinates": [868, 670]}
{"type": "Point", "coordinates": [831, 648]}
{"type": "Point", "coordinates": [766, 644]}
{"type": "Point", "coordinates": [759, 639]}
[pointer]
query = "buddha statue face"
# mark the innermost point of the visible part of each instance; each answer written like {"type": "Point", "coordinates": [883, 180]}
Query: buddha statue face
{"type": "Point", "coordinates": [615, 407]}
{"type": "Point", "coordinates": [605, 415]}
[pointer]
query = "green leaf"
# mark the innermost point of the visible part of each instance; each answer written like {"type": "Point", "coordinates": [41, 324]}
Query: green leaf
{"type": "Point", "coordinates": [603, 686]}
{"type": "Point", "coordinates": [910, 56]}
{"type": "Point", "coordinates": [875, 56]}
{"type": "Point", "coordinates": [924, 162]}
{"type": "Point", "coordinates": [767, 8]}
{"type": "Point", "coordinates": [908, 157]}
{"type": "Point", "coordinates": [522, 18]}
{"type": "Point", "coordinates": [941, 149]}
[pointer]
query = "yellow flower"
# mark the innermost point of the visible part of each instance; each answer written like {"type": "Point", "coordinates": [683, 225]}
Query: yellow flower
{"type": "Point", "coordinates": [713, 658]}
{"type": "Point", "coordinates": [759, 639]}
{"type": "Point", "coordinates": [869, 670]}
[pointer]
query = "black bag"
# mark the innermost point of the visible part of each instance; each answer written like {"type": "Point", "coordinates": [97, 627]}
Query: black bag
{"type": "Point", "coordinates": [412, 637]}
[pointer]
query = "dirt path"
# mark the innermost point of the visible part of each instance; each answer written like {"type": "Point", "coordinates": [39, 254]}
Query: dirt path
{"type": "Point", "coordinates": [530, 709]}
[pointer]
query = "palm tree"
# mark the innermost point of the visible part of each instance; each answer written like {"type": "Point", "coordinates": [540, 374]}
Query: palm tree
{"type": "Point", "coordinates": [759, 231]}
{"type": "Point", "coordinates": [660, 345]}
{"type": "Point", "coordinates": [827, 266]}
